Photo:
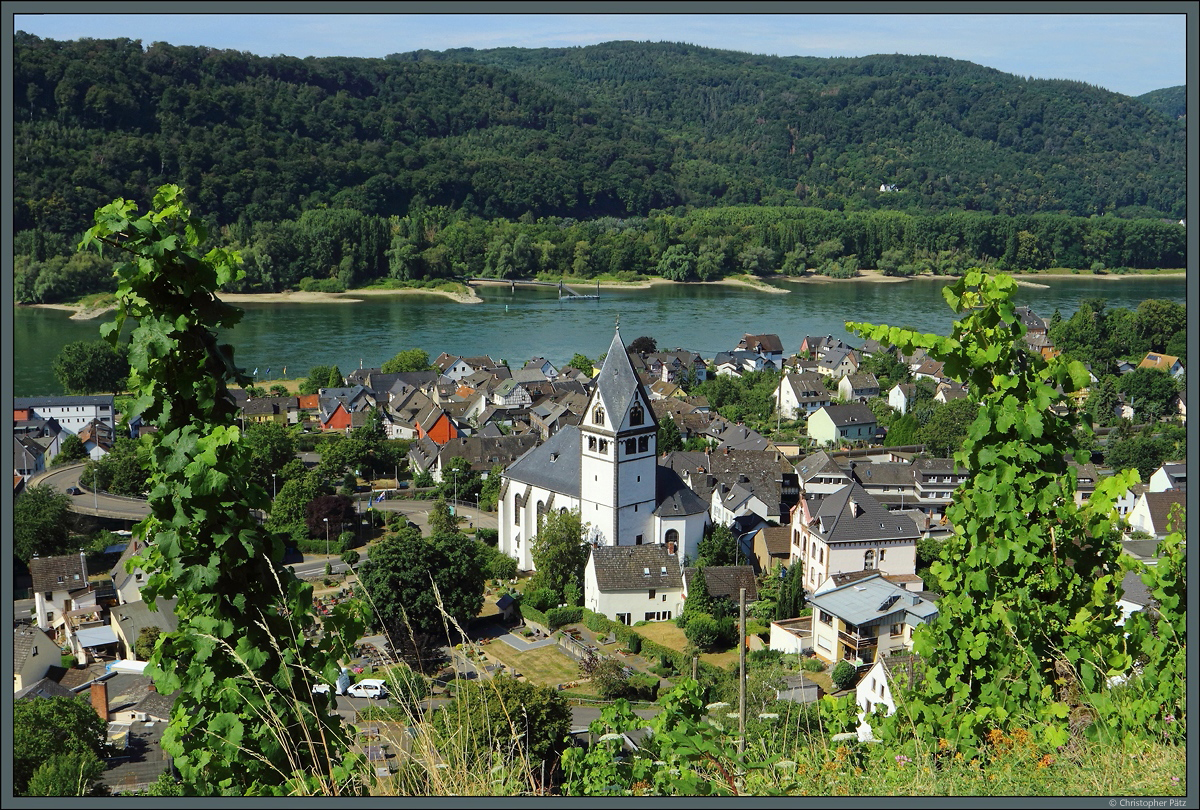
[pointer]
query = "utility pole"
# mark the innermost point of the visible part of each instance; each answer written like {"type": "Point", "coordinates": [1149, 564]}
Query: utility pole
{"type": "Point", "coordinates": [742, 671]}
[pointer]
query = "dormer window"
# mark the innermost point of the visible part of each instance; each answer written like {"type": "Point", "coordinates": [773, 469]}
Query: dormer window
{"type": "Point", "coordinates": [637, 415]}
{"type": "Point", "coordinates": [598, 416]}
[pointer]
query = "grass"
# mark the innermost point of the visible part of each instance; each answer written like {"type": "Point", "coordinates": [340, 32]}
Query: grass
{"type": "Point", "coordinates": [545, 666]}
{"type": "Point", "coordinates": [668, 635]}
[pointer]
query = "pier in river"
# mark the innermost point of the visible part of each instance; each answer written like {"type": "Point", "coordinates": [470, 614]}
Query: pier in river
{"type": "Point", "coordinates": [564, 292]}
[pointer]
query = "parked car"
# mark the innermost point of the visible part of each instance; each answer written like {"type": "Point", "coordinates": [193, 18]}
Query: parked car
{"type": "Point", "coordinates": [74, 491]}
{"type": "Point", "coordinates": [368, 688]}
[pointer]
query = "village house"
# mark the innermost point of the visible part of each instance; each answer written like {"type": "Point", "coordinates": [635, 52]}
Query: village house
{"type": "Point", "coordinates": [725, 582]}
{"type": "Point", "coordinates": [34, 653]}
{"type": "Point", "coordinates": [607, 468]}
{"type": "Point", "coordinates": [769, 346]}
{"type": "Point", "coordinates": [71, 413]}
{"type": "Point", "coordinates": [849, 530]}
{"type": "Point", "coordinates": [867, 619]}
{"type": "Point", "coordinates": [900, 397]}
{"type": "Point", "coordinates": [54, 579]}
{"type": "Point", "coordinates": [1152, 512]}
{"type": "Point", "coordinates": [858, 387]}
{"type": "Point", "coordinates": [819, 474]}
{"type": "Point", "coordinates": [842, 424]}
{"type": "Point", "coordinates": [29, 457]}
{"type": "Point", "coordinates": [456, 368]}
{"type": "Point", "coordinates": [1170, 476]}
{"type": "Point", "coordinates": [837, 361]}
{"type": "Point", "coordinates": [801, 395]}
{"type": "Point", "coordinates": [771, 546]}
{"type": "Point", "coordinates": [1163, 362]}
{"type": "Point", "coordinates": [633, 583]}
{"type": "Point", "coordinates": [130, 619]}
{"type": "Point", "coordinates": [880, 686]}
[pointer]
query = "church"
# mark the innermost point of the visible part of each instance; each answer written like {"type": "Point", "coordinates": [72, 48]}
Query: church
{"type": "Point", "coordinates": [607, 468]}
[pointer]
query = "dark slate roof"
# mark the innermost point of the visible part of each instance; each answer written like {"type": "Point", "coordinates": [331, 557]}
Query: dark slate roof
{"type": "Point", "coordinates": [836, 522]}
{"type": "Point", "coordinates": [777, 540]}
{"type": "Point", "coordinates": [843, 415]}
{"type": "Point", "coordinates": [863, 380]}
{"type": "Point", "coordinates": [47, 572]}
{"type": "Point", "coordinates": [883, 473]}
{"type": "Point", "coordinates": [819, 463]}
{"type": "Point", "coordinates": [558, 475]}
{"type": "Point", "coordinates": [135, 615]}
{"type": "Point", "coordinates": [20, 403]}
{"type": "Point", "coordinates": [1135, 590]}
{"type": "Point", "coordinates": [482, 452]}
{"type": "Point", "coordinates": [673, 496]}
{"type": "Point", "coordinates": [156, 705]}
{"type": "Point", "coordinates": [45, 688]}
{"type": "Point", "coordinates": [725, 581]}
{"type": "Point", "coordinates": [617, 384]}
{"type": "Point", "coordinates": [809, 386]}
{"type": "Point", "coordinates": [624, 568]}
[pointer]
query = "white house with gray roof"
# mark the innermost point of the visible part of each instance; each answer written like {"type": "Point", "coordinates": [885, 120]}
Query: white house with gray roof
{"type": "Point", "coordinates": [849, 530]}
{"type": "Point", "coordinates": [633, 583]}
{"type": "Point", "coordinates": [867, 619]}
{"type": "Point", "coordinates": [72, 413]}
{"type": "Point", "coordinates": [607, 468]}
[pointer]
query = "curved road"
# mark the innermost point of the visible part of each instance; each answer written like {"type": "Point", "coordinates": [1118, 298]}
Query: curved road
{"type": "Point", "coordinates": [134, 509]}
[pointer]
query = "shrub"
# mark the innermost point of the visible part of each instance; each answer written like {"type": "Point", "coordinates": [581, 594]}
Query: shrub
{"type": "Point", "coordinates": [642, 686]}
{"type": "Point", "coordinates": [703, 631]}
{"type": "Point", "coordinates": [557, 617]}
{"type": "Point", "coordinates": [502, 567]}
{"type": "Point", "coordinates": [843, 674]}
{"type": "Point", "coordinates": [812, 665]}
{"type": "Point", "coordinates": [634, 643]}
{"type": "Point", "coordinates": [489, 536]}
{"type": "Point", "coordinates": [540, 599]}
{"type": "Point", "coordinates": [595, 622]}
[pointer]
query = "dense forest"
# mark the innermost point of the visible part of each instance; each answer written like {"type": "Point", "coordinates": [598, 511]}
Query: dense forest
{"type": "Point", "coordinates": [1170, 101]}
{"type": "Point", "coordinates": [618, 159]}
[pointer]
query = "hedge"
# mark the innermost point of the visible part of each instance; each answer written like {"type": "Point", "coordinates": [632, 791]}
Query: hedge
{"type": "Point", "coordinates": [557, 617]}
{"type": "Point", "coordinates": [637, 644]}
{"type": "Point", "coordinates": [529, 612]}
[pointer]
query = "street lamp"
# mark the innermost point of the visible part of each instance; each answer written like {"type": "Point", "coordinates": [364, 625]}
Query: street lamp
{"type": "Point", "coordinates": [326, 536]}
{"type": "Point", "coordinates": [272, 486]}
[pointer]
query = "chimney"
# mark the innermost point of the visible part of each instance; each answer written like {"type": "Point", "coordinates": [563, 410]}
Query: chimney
{"type": "Point", "coordinates": [100, 699]}
{"type": "Point", "coordinates": [83, 564]}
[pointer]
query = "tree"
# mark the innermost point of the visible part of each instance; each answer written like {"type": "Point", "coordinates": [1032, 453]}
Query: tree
{"type": "Point", "coordinates": [318, 378]}
{"type": "Point", "coordinates": [669, 439]}
{"type": "Point", "coordinates": [718, 547]}
{"type": "Point", "coordinates": [279, 390]}
{"type": "Point", "coordinates": [72, 774]}
{"type": "Point", "coordinates": [581, 363]}
{"type": "Point", "coordinates": [843, 675]}
{"type": "Point", "coordinates": [244, 720]}
{"type": "Point", "coordinates": [335, 379]}
{"type": "Point", "coordinates": [643, 345]}
{"type": "Point", "coordinates": [291, 504]}
{"type": "Point", "coordinates": [459, 480]}
{"type": "Point", "coordinates": [90, 367]}
{"type": "Point", "coordinates": [698, 602]}
{"type": "Point", "coordinates": [791, 593]}
{"type": "Point", "coordinates": [677, 263]}
{"type": "Point", "coordinates": [417, 587]}
{"type": "Point", "coordinates": [147, 638]}
{"type": "Point", "coordinates": [272, 447]}
{"type": "Point", "coordinates": [517, 720]}
{"type": "Point", "coordinates": [329, 514]}
{"type": "Point", "coordinates": [340, 457]}
{"type": "Point", "coordinates": [1150, 391]}
{"type": "Point", "coordinates": [946, 429]}
{"type": "Point", "coordinates": [1159, 320]}
{"type": "Point", "coordinates": [558, 551]}
{"type": "Point", "coordinates": [121, 471]}
{"type": "Point", "coordinates": [407, 360]}
{"type": "Point", "coordinates": [489, 490]}
{"type": "Point", "coordinates": [1027, 575]}
{"type": "Point", "coordinates": [1142, 453]}
{"type": "Point", "coordinates": [609, 678]}
{"type": "Point", "coordinates": [704, 632]}
{"type": "Point", "coordinates": [44, 727]}
{"type": "Point", "coordinates": [70, 451]}
{"type": "Point", "coordinates": [443, 520]}
{"type": "Point", "coordinates": [41, 522]}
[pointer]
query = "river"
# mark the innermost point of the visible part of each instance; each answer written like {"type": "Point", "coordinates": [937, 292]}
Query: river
{"type": "Point", "coordinates": [515, 326]}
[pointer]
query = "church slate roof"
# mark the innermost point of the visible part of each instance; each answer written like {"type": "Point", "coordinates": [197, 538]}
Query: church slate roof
{"type": "Point", "coordinates": [617, 384]}
{"type": "Point", "coordinates": [553, 465]}
{"type": "Point", "coordinates": [673, 496]}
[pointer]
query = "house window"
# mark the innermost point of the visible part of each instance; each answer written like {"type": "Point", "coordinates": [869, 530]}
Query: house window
{"type": "Point", "coordinates": [598, 416]}
{"type": "Point", "coordinates": [643, 444]}
{"type": "Point", "coordinates": [638, 541]}
{"type": "Point", "coordinates": [826, 618]}
{"type": "Point", "coordinates": [665, 599]}
{"type": "Point", "coordinates": [869, 560]}
{"type": "Point", "coordinates": [652, 593]}
{"type": "Point", "coordinates": [623, 618]}
{"type": "Point", "coordinates": [516, 514]}
{"type": "Point", "coordinates": [630, 446]}
{"type": "Point", "coordinates": [821, 560]}
{"type": "Point", "coordinates": [672, 536]}
{"type": "Point", "coordinates": [897, 630]}
{"type": "Point", "coordinates": [882, 551]}
{"type": "Point", "coordinates": [637, 415]}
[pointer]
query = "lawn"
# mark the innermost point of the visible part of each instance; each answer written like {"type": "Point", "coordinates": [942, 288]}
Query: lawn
{"type": "Point", "coordinates": [546, 666]}
{"type": "Point", "coordinates": [668, 635]}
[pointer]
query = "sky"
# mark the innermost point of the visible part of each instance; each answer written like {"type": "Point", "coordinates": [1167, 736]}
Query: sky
{"type": "Point", "coordinates": [1125, 53]}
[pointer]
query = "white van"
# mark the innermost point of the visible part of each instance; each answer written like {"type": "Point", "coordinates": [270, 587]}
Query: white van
{"type": "Point", "coordinates": [368, 688]}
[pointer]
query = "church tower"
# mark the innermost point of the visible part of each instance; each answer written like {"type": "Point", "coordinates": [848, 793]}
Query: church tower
{"type": "Point", "coordinates": [618, 456]}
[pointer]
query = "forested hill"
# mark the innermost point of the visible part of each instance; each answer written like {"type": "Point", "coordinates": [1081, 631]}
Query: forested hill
{"type": "Point", "coordinates": [829, 132]}
{"type": "Point", "coordinates": [615, 129]}
{"type": "Point", "coordinates": [1170, 101]}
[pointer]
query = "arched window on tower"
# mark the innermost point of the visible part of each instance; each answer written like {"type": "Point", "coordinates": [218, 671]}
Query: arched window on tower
{"type": "Point", "coordinates": [637, 415]}
{"type": "Point", "coordinates": [541, 513]}
{"type": "Point", "coordinates": [598, 416]}
{"type": "Point", "coordinates": [672, 536]}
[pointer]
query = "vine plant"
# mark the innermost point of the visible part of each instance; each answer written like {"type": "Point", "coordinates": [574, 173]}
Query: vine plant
{"type": "Point", "coordinates": [1028, 623]}
{"type": "Point", "coordinates": [245, 720]}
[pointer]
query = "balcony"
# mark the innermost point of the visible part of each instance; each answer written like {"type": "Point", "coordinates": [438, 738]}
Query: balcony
{"type": "Point", "coordinates": [857, 642]}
